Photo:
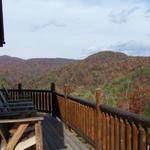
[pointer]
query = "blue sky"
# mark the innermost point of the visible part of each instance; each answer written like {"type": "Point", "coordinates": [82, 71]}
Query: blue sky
{"type": "Point", "coordinates": [75, 28]}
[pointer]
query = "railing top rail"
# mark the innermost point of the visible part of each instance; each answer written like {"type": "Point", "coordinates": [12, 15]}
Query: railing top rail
{"type": "Point", "coordinates": [131, 117]}
{"type": "Point", "coordinates": [78, 100]}
{"type": "Point", "coordinates": [28, 90]}
{"type": "Point", "coordinates": [82, 101]}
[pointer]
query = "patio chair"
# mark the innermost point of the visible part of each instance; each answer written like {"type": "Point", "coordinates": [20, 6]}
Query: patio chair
{"type": "Point", "coordinates": [8, 106]}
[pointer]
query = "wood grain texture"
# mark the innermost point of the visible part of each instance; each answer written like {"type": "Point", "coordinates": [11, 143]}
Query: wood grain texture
{"type": "Point", "coordinates": [17, 135]}
{"type": "Point", "coordinates": [38, 136]}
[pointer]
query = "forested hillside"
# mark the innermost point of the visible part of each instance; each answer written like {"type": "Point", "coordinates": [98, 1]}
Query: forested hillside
{"type": "Point", "coordinates": [124, 78]}
{"type": "Point", "coordinates": [14, 70]}
{"type": "Point", "coordinates": [95, 71]}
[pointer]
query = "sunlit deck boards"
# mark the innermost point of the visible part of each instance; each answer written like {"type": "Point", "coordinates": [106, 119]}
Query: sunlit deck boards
{"type": "Point", "coordinates": [57, 137]}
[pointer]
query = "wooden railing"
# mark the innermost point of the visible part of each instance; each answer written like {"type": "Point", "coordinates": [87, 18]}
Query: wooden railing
{"type": "Point", "coordinates": [102, 126]}
{"type": "Point", "coordinates": [122, 130]}
{"type": "Point", "coordinates": [77, 114]}
{"type": "Point", "coordinates": [42, 99]}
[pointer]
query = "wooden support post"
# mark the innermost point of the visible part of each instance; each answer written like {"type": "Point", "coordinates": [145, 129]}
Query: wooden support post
{"type": "Point", "coordinates": [19, 86]}
{"type": "Point", "coordinates": [19, 90]}
{"type": "Point", "coordinates": [53, 86]}
{"type": "Point", "coordinates": [54, 109]}
{"type": "Point", "coordinates": [66, 93]}
{"type": "Point", "coordinates": [17, 135]}
{"type": "Point", "coordinates": [38, 136]}
{"type": "Point", "coordinates": [98, 118]}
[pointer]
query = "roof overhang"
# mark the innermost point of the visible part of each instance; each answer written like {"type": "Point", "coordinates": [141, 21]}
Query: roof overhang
{"type": "Point", "coordinates": [1, 26]}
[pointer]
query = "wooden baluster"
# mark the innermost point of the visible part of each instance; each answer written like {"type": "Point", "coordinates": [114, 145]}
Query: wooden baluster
{"type": "Point", "coordinates": [47, 98]}
{"type": "Point", "coordinates": [93, 124]}
{"type": "Point", "coordinates": [142, 139]}
{"type": "Point", "coordinates": [35, 100]}
{"type": "Point", "coordinates": [61, 102]}
{"type": "Point", "coordinates": [69, 112]}
{"type": "Point", "coordinates": [39, 101]}
{"type": "Point", "coordinates": [108, 132]}
{"type": "Point", "coordinates": [112, 133]}
{"type": "Point", "coordinates": [84, 113]}
{"type": "Point", "coordinates": [128, 136]}
{"type": "Point", "coordinates": [38, 95]}
{"type": "Point", "coordinates": [104, 131]}
{"type": "Point", "coordinates": [98, 131]}
{"type": "Point", "coordinates": [45, 109]}
{"type": "Point", "coordinates": [66, 93]}
{"type": "Point", "coordinates": [80, 118]}
{"type": "Point", "coordinates": [122, 134]}
{"type": "Point", "coordinates": [73, 114]}
{"type": "Point", "coordinates": [49, 102]}
{"type": "Point", "coordinates": [32, 97]}
{"type": "Point", "coordinates": [81, 114]}
{"type": "Point", "coordinates": [135, 137]}
{"type": "Point", "coordinates": [45, 101]}
{"type": "Point", "coordinates": [12, 95]}
{"type": "Point", "coordinates": [90, 118]}
{"type": "Point", "coordinates": [117, 139]}
{"type": "Point", "coordinates": [40, 104]}
{"type": "Point", "coordinates": [19, 90]}
{"type": "Point", "coordinates": [77, 117]}
{"type": "Point", "coordinates": [148, 140]}
{"type": "Point", "coordinates": [61, 106]}
{"type": "Point", "coordinates": [53, 96]}
{"type": "Point", "coordinates": [87, 122]}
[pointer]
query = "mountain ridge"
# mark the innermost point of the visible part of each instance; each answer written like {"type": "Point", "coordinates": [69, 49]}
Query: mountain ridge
{"type": "Point", "coordinates": [112, 71]}
{"type": "Point", "coordinates": [93, 70]}
{"type": "Point", "coordinates": [16, 70]}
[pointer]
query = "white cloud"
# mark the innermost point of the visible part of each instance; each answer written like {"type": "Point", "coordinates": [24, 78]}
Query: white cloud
{"type": "Point", "coordinates": [132, 48]}
{"type": "Point", "coordinates": [63, 28]}
{"type": "Point", "coordinates": [122, 15]}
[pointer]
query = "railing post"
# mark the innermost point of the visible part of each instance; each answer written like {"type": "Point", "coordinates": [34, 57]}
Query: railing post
{"type": "Point", "coordinates": [98, 118]}
{"type": "Point", "coordinates": [19, 86]}
{"type": "Point", "coordinates": [19, 90]}
{"type": "Point", "coordinates": [66, 93]}
{"type": "Point", "coordinates": [53, 100]}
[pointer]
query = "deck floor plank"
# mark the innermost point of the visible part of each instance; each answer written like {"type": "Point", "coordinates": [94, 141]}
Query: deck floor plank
{"type": "Point", "coordinates": [70, 137]}
{"type": "Point", "coordinates": [67, 139]}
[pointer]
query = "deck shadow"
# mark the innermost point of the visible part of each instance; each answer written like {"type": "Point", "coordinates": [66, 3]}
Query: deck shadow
{"type": "Point", "coordinates": [53, 134]}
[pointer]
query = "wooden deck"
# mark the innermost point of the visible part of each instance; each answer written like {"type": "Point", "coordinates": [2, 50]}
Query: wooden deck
{"type": "Point", "coordinates": [57, 137]}
{"type": "Point", "coordinates": [101, 125]}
